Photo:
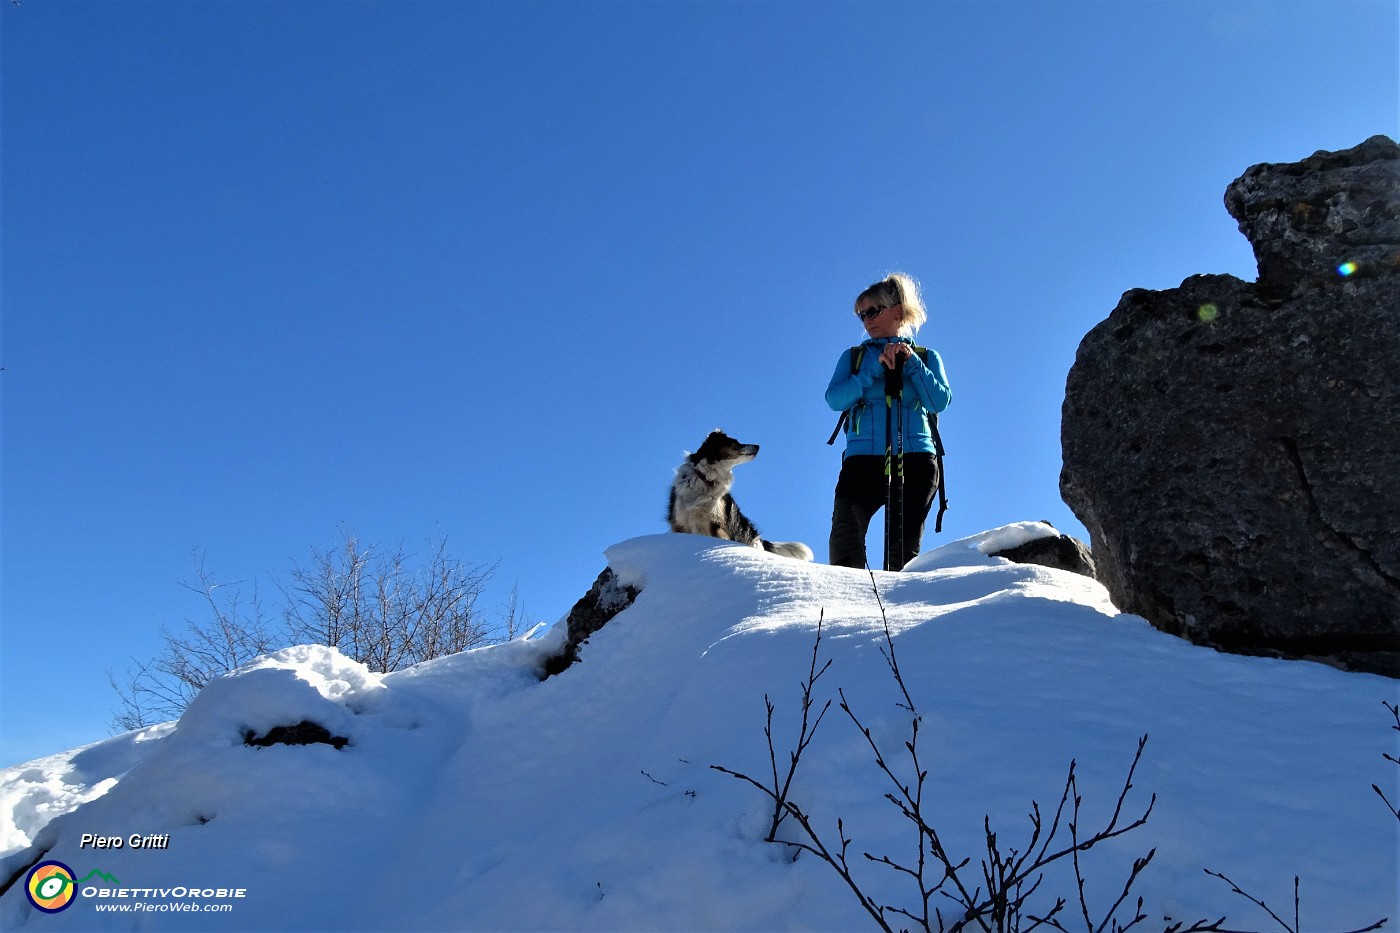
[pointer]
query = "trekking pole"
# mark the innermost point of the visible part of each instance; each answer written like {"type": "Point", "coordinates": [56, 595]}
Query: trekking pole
{"type": "Point", "coordinates": [942, 478]}
{"type": "Point", "coordinates": [894, 471]}
{"type": "Point", "coordinates": [899, 472]}
{"type": "Point", "coordinates": [889, 479]}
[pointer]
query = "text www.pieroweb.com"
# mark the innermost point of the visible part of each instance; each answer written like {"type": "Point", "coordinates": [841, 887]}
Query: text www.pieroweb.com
{"type": "Point", "coordinates": [163, 900]}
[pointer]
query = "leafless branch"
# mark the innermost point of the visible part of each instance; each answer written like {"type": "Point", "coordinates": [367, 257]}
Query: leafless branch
{"type": "Point", "coordinates": [1394, 709]}
{"type": "Point", "coordinates": [1000, 900]}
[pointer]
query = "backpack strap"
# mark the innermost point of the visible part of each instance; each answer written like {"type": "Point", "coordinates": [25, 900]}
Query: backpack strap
{"type": "Point", "coordinates": [840, 424]}
{"type": "Point", "coordinates": [937, 453]}
{"type": "Point", "coordinates": [857, 353]}
{"type": "Point", "coordinates": [942, 477]}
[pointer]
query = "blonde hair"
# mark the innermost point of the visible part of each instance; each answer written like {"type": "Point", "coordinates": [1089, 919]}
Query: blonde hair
{"type": "Point", "coordinates": [898, 288]}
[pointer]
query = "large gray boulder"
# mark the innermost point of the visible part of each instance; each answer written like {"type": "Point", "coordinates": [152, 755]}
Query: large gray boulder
{"type": "Point", "coordinates": [1233, 448]}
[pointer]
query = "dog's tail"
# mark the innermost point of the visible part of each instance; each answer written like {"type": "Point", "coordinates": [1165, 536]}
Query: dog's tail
{"type": "Point", "coordinates": [794, 549]}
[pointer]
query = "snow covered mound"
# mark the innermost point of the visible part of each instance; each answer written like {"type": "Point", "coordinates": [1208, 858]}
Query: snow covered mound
{"type": "Point", "coordinates": [472, 795]}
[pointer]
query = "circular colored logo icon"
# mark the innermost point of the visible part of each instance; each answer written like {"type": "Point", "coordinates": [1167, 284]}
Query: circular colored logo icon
{"type": "Point", "coordinates": [50, 887]}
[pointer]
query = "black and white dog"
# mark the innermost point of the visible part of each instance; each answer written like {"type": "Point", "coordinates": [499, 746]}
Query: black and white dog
{"type": "Point", "coordinates": [701, 503]}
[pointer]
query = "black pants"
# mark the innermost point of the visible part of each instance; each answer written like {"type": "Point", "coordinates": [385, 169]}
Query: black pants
{"type": "Point", "coordinates": [860, 493]}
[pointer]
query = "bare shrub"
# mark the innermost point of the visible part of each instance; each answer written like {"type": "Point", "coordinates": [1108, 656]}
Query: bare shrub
{"type": "Point", "coordinates": [386, 609]}
{"type": "Point", "coordinates": [382, 609]}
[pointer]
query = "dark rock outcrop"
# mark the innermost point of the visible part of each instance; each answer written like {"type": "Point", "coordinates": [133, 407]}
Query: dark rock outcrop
{"type": "Point", "coordinates": [1061, 552]}
{"type": "Point", "coordinates": [305, 732]}
{"type": "Point", "coordinates": [1233, 448]}
{"type": "Point", "coordinates": [604, 600]}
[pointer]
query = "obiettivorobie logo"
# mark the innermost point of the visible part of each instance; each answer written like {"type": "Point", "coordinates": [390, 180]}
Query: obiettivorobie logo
{"type": "Point", "coordinates": [53, 886]}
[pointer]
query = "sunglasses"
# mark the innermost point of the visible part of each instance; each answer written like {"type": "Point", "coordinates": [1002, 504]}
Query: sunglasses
{"type": "Point", "coordinates": [871, 313]}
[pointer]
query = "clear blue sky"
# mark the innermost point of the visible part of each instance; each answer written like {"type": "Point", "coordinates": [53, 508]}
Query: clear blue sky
{"type": "Point", "coordinates": [489, 270]}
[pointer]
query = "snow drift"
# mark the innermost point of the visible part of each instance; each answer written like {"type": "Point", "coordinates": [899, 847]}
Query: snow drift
{"type": "Point", "coordinates": [474, 796]}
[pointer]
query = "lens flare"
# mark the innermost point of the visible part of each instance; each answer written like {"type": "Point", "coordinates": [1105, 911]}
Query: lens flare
{"type": "Point", "coordinates": [1346, 268]}
{"type": "Point", "coordinates": [1207, 313]}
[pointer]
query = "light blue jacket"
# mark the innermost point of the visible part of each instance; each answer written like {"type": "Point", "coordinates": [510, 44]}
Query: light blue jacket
{"type": "Point", "coordinates": [863, 394]}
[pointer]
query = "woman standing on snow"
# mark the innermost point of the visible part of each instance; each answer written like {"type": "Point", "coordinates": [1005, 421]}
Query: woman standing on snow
{"type": "Point", "coordinates": [886, 390]}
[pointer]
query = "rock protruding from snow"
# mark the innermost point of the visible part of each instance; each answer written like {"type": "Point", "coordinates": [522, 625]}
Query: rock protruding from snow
{"type": "Point", "coordinates": [305, 732]}
{"type": "Point", "coordinates": [1062, 552]}
{"type": "Point", "coordinates": [606, 598]}
{"type": "Point", "coordinates": [1231, 446]}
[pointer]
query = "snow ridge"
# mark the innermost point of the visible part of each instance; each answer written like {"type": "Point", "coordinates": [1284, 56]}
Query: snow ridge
{"type": "Point", "coordinates": [473, 795]}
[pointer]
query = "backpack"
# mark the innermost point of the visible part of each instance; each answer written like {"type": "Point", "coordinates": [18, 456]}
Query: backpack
{"type": "Point", "coordinates": [856, 355]}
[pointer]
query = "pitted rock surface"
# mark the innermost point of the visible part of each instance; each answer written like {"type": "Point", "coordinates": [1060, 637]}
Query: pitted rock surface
{"type": "Point", "coordinates": [1306, 219]}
